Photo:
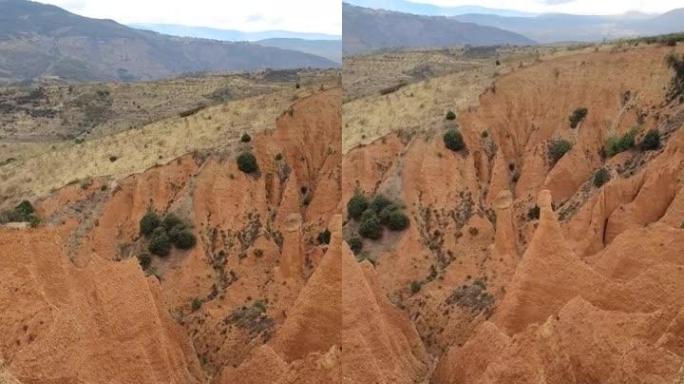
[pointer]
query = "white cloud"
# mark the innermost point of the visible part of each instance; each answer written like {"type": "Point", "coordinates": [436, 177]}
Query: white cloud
{"type": "Point", "coordinates": [597, 7]}
{"type": "Point", "coordinates": [314, 16]}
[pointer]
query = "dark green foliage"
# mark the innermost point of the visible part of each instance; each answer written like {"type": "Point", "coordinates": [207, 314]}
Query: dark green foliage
{"type": "Point", "coordinates": [558, 148]}
{"type": "Point", "coordinates": [651, 141]}
{"type": "Point", "coordinates": [171, 220]}
{"type": "Point", "coordinates": [416, 286]}
{"type": "Point", "coordinates": [450, 115]}
{"type": "Point", "coordinates": [324, 237]}
{"type": "Point", "coordinates": [196, 304]}
{"type": "Point", "coordinates": [149, 222]}
{"type": "Point", "coordinates": [182, 238]}
{"type": "Point", "coordinates": [160, 243]}
{"type": "Point", "coordinates": [22, 213]}
{"type": "Point", "coordinates": [676, 63]}
{"type": "Point", "coordinates": [533, 213]}
{"type": "Point", "coordinates": [396, 220]}
{"type": "Point", "coordinates": [615, 144]}
{"type": "Point", "coordinates": [247, 163]}
{"type": "Point", "coordinates": [145, 261]}
{"type": "Point", "coordinates": [355, 244]}
{"type": "Point", "coordinates": [246, 138]}
{"type": "Point", "coordinates": [370, 227]}
{"type": "Point", "coordinates": [601, 177]}
{"type": "Point", "coordinates": [357, 205]}
{"type": "Point", "coordinates": [379, 202]}
{"type": "Point", "coordinates": [577, 116]}
{"type": "Point", "coordinates": [453, 140]}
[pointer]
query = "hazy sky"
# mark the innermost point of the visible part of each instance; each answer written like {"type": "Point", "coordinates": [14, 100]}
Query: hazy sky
{"type": "Point", "coordinates": [315, 16]}
{"type": "Point", "coordinates": [569, 6]}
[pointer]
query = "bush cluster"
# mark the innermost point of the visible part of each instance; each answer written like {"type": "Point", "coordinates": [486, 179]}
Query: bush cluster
{"type": "Point", "coordinates": [557, 149]}
{"type": "Point", "coordinates": [577, 116]}
{"type": "Point", "coordinates": [22, 213]}
{"type": "Point", "coordinates": [375, 214]}
{"type": "Point", "coordinates": [617, 144]}
{"type": "Point", "coordinates": [163, 233]}
{"type": "Point", "coordinates": [453, 140]}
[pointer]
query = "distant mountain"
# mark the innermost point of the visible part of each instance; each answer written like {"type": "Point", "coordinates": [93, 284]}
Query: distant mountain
{"type": "Point", "coordinates": [549, 28]}
{"type": "Point", "coordinates": [434, 10]}
{"type": "Point", "coordinates": [44, 40]}
{"type": "Point", "coordinates": [330, 49]}
{"type": "Point", "coordinates": [229, 34]}
{"type": "Point", "coordinates": [366, 29]}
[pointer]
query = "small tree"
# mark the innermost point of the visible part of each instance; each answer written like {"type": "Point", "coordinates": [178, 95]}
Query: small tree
{"type": "Point", "coordinates": [160, 243]}
{"type": "Point", "coordinates": [601, 177]}
{"type": "Point", "coordinates": [380, 202]}
{"type": "Point", "coordinates": [396, 220]}
{"type": "Point", "coordinates": [450, 115]}
{"type": "Point", "coordinates": [557, 149]}
{"type": "Point", "coordinates": [246, 138]}
{"type": "Point", "coordinates": [453, 140]}
{"type": "Point", "coordinates": [357, 205]}
{"type": "Point", "coordinates": [149, 222]}
{"type": "Point", "coordinates": [651, 141]}
{"type": "Point", "coordinates": [171, 220]}
{"type": "Point", "coordinates": [184, 239]}
{"type": "Point", "coordinates": [533, 213]}
{"type": "Point", "coordinates": [577, 116]}
{"type": "Point", "coordinates": [247, 163]}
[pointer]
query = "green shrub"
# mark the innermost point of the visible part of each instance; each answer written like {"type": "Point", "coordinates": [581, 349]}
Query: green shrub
{"type": "Point", "coordinates": [24, 209]}
{"type": "Point", "coordinates": [380, 202]}
{"type": "Point", "coordinates": [149, 222]}
{"type": "Point", "coordinates": [196, 304]}
{"type": "Point", "coordinates": [160, 243]}
{"type": "Point", "coordinates": [182, 237]}
{"type": "Point", "coordinates": [247, 163]}
{"type": "Point", "coordinates": [171, 220]}
{"type": "Point", "coordinates": [396, 220]}
{"type": "Point", "coordinates": [615, 145]}
{"type": "Point", "coordinates": [651, 141]}
{"type": "Point", "coordinates": [533, 213]}
{"type": "Point", "coordinates": [577, 116]}
{"type": "Point", "coordinates": [145, 261]}
{"type": "Point", "coordinates": [450, 115]}
{"type": "Point", "coordinates": [557, 149]}
{"type": "Point", "coordinates": [601, 177]}
{"type": "Point", "coordinates": [370, 227]}
{"type": "Point", "coordinates": [324, 237]}
{"type": "Point", "coordinates": [416, 286]}
{"type": "Point", "coordinates": [246, 138]}
{"type": "Point", "coordinates": [355, 244]}
{"type": "Point", "coordinates": [453, 140]}
{"type": "Point", "coordinates": [357, 205]}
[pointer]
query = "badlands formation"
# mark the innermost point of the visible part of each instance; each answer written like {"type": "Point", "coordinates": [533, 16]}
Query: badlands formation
{"type": "Point", "coordinates": [518, 267]}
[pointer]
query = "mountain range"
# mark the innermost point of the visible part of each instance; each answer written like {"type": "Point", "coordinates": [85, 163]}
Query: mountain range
{"type": "Point", "coordinates": [366, 29]}
{"type": "Point", "coordinates": [44, 40]}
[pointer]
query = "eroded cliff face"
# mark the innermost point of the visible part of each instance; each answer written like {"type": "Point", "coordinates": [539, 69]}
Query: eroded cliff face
{"type": "Point", "coordinates": [590, 291]}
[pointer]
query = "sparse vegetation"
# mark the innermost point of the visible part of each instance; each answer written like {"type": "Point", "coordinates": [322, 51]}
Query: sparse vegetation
{"type": "Point", "coordinates": [450, 115]}
{"type": "Point", "coordinates": [473, 297]}
{"type": "Point", "coordinates": [557, 149]}
{"type": "Point", "coordinates": [22, 213]}
{"type": "Point", "coordinates": [577, 116]}
{"type": "Point", "coordinates": [617, 144]}
{"type": "Point", "coordinates": [145, 261]}
{"type": "Point", "coordinates": [247, 162]}
{"type": "Point", "coordinates": [453, 140]}
{"type": "Point", "coordinates": [651, 141]}
{"type": "Point", "coordinates": [416, 286]}
{"type": "Point", "coordinates": [196, 304]}
{"type": "Point", "coordinates": [601, 177]}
